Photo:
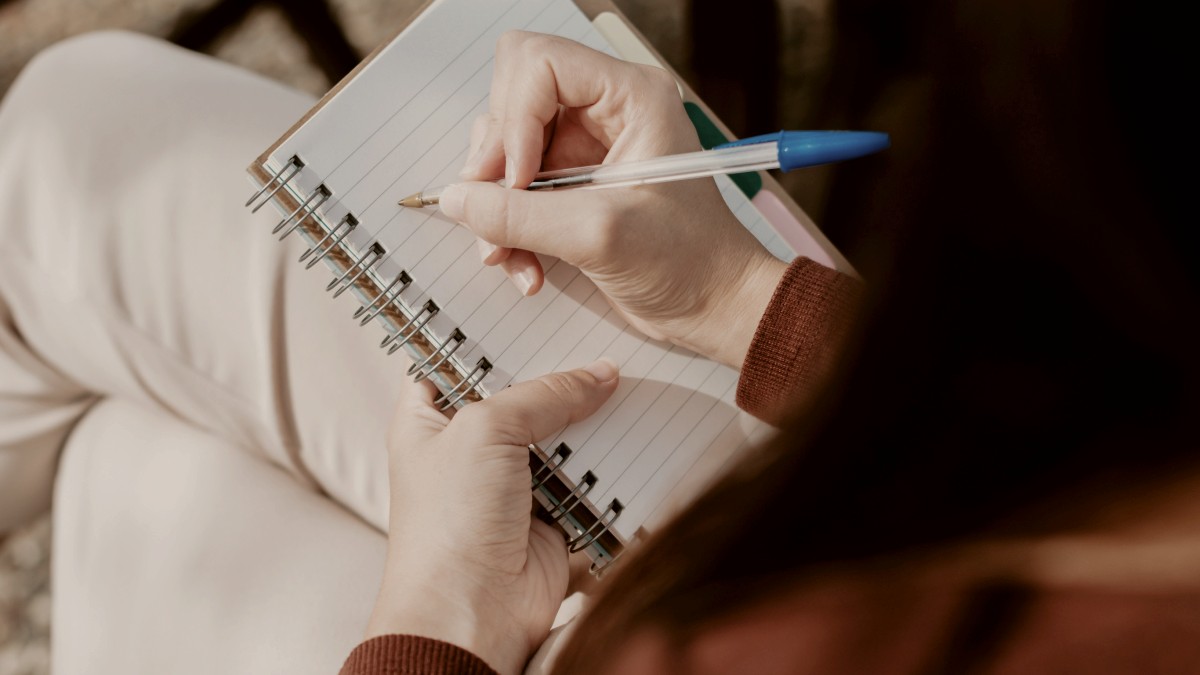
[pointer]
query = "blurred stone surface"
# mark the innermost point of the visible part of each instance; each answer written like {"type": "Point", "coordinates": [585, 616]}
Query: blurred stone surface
{"type": "Point", "coordinates": [287, 61]}
{"type": "Point", "coordinates": [25, 601]}
{"type": "Point", "coordinates": [28, 26]}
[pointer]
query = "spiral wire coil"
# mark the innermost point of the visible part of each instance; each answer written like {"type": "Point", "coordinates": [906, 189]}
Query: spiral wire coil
{"type": "Point", "coordinates": [359, 266]}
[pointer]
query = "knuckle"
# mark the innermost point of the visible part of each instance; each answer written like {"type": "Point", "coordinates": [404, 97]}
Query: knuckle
{"type": "Point", "coordinates": [562, 386]}
{"type": "Point", "coordinates": [659, 90]}
{"type": "Point", "coordinates": [514, 217]}
{"type": "Point", "coordinates": [536, 44]}
{"type": "Point", "coordinates": [477, 416]}
{"type": "Point", "coordinates": [658, 79]}
{"type": "Point", "coordinates": [485, 423]}
{"type": "Point", "coordinates": [510, 40]}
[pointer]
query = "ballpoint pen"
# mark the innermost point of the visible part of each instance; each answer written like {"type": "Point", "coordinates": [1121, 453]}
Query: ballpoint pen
{"type": "Point", "coordinates": [785, 150]}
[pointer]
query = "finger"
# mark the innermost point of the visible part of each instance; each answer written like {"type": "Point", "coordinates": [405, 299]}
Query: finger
{"type": "Point", "coordinates": [525, 271]}
{"type": "Point", "coordinates": [550, 130]}
{"type": "Point", "coordinates": [522, 150]}
{"type": "Point", "coordinates": [502, 71]}
{"type": "Point", "coordinates": [572, 145]}
{"type": "Point", "coordinates": [547, 540]}
{"type": "Point", "coordinates": [416, 396]}
{"type": "Point", "coordinates": [530, 411]}
{"type": "Point", "coordinates": [488, 163]}
{"type": "Point", "coordinates": [555, 71]}
{"type": "Point", "coordinates": [416, 417]}
{"type": "Point", "coordinates": [491, 254]}
{"type": "Point", "coordinates": [568, 224]}
{"type": "Point", "coordinates": [479, 130]}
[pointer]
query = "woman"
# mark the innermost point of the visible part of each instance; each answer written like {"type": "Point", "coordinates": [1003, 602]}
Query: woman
{"type": "Point", "coordinates": [1003, 478]}
{"type": "Point", "coordinates": [211, 430]}
{"type": "Point", "coordinates": [964, 497]}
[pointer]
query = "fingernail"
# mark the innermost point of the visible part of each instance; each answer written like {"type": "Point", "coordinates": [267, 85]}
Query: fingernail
{"type": "Point", "coordinates": [451, 201]}
{"type": "Point", "coordinates": [485, 250]}
{"type": "Point", "coordinates": [603, 369]}
{"type": "Point", "coordinates": [480, 132]}
{"type": "Point", "coordinates": [523, 280]}
{"type": "Point", "coordinates": [510, 171]}
{"type": "Point", "coordinates": [471, 166]}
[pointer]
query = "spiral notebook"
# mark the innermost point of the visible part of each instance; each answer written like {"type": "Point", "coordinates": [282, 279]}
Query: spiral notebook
{"type": "Point", "coordinates": [400, 123]}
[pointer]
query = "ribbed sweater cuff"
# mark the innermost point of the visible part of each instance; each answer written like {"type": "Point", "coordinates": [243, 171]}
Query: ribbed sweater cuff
{"type": "Point", "coordinates": [412, 655]}
{"type": "Point", "coordinates": [798, 339]}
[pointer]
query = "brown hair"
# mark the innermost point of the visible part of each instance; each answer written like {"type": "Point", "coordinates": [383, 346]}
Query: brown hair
{"type": "Point", "coordinates": [1033, 326]}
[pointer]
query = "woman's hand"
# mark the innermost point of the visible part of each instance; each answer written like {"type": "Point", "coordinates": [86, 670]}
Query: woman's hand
{"type": "Point", "coordinates": [467, 563]}
{"type": "Point", "coordinates": [671, 258]}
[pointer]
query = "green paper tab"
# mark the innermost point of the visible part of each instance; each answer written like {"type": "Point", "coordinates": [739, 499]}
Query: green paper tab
{"type": "Point", "coordinates": [711, 137]}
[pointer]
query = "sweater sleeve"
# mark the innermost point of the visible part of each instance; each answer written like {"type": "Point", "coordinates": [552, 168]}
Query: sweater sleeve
{"type": "Point", "coordinates": [798, 339]}
{"type": "Point", "coordinates": [412, 655]}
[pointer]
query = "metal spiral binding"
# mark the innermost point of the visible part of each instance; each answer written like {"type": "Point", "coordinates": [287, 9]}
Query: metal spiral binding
{"type": "Point", "coordinates": [597, 570]}
{"type": "Point", "coordinates": [349, 221]}
{"type": "Point", "coordinates": [459, 392]}
{"type": "Point", "coordinates": [352, 269]}
{"type": "Point", "coordinates": [586, 537]}
{"type": "Point", "coordinates": [376, 253]}
{"type": "Point", "coordinates": [360, 267]}
{"type": "Point", "coordinates": [295, 165]}
{"type": "Point", "coordinates": [575, 497]}
{"type": "Point", "coordinates": [424, 369]}
{"type": "Point", "coordinates": [590, 535]}
{"type": "Point", "coordinates": [428, 310]}
{"type": "Point", "coordinates": [304, 211]}
{"type": "Point", "coordinates": [373, 308]}
{"type": "Point", "coordinates": [562, 453]}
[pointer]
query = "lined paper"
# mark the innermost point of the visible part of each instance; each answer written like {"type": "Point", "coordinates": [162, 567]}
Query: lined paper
{"type": "Point", "coordinates": [402, 125]}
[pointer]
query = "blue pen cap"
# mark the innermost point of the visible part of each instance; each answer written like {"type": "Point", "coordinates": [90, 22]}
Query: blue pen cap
{"type": "Point", "coordinates": [809, 148]}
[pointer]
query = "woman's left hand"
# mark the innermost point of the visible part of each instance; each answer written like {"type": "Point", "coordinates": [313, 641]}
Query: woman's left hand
{"type": "Point", "coordinates": [467, 563]}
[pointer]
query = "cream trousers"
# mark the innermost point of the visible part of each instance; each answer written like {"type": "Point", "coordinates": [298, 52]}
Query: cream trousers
{"type": "Point", "coordinates": [210, 423]}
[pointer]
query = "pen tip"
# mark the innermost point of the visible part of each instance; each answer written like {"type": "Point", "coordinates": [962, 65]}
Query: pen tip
{"type": "Point", "coordinates": [412, 201]}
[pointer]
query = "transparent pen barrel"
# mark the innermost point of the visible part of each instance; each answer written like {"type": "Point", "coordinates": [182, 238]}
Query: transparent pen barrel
{"type": "Point", "coordinates": [737, 159]}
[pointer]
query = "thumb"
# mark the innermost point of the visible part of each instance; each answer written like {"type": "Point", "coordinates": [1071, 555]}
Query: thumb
{"type": "Point", "coordinates": [534, 221]}
{"type": "Point", "coordinates": [416, 417]}
{"type": "Point", "coordinates": [530, 411]}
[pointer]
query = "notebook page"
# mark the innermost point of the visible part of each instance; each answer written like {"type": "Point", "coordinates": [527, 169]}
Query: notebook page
{"type": "Point", "coordinates": [402, 125]}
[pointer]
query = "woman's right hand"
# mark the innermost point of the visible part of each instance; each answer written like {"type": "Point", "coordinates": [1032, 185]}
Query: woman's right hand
{"type": "Point", "coordinates": [670, 258]}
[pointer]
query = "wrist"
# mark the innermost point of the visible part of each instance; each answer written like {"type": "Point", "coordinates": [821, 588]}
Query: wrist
{"type": "Point", "coordinates": [725, 331]}
{"type": "Point", "coordinates": [446, 606]}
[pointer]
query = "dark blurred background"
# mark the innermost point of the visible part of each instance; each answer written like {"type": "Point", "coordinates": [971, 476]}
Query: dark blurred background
{"type": "Point", "coordinates": [758, 67]}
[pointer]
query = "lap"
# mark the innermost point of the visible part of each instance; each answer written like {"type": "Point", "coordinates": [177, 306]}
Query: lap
{"type": "Point", "coordinates": [130, 268]}
{"type": "Point", "coordinates": [148, 315]}
{"type": "Point", "coordinates": [175, 552]}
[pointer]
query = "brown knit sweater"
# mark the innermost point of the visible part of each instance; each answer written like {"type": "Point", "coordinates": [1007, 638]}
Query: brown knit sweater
{"type": "Point", "coordinates": [792, 352]}
{"type": "Point", "coordinates": [798, 339]}
{"type": "Point", "coordinates": [412, 655]}
{"type": "Point", "coordinates": [1119, 594]}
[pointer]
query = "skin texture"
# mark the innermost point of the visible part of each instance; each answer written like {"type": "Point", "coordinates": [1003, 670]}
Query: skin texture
{"type": "Point", "coordinates": [663, 255]}
{"type": "Point", "coordinates": [467, 564]}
